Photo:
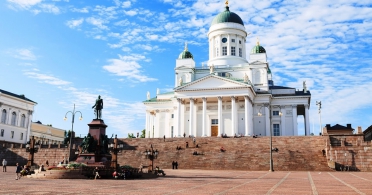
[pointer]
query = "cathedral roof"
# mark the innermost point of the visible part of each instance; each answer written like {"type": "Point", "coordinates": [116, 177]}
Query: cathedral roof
{"type": "Point", "coordinates": [258, 48]}
{"type": "Point", "coordinates": [227, 16]}
{"type": "Point", "coordinates": [185, 54]}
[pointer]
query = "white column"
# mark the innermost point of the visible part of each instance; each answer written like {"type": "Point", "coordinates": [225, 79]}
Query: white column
{"type": "Point", "coordinates": [233, 118]}
{"type": "Point", "coordinates": [157, 117]}
{"type": "Point", "coordinates": [250, 119]}
{"type": "Point", "coordinates": [294, 118]}
{"type": "Point", "coordinates": [167, 130]}
{"type": "Point", "coordinates": [179, 118]}
{"type": "Point", "coordinates": [151, 124]}
{"type": "Point", "coordinates": [267, 120]}
{"type": "Point", "coordinates": [220, 125]}
{"type": "Point", "coordinates": [282, 121]}
{"type": "Point", "coordinates": [191, 120]}
{"type": "Point", "coordinates": [307, 121]}
{"type": "Point", "coordinates": [204, 122]}
{"type": "Point", "coordinates": [246, 113]}
{"type": "Point", "coordinates": [147, 122]}
{"type": "Point", "coordinates": [228, 45]}
{"type": "Point", "coordinates": [219, 46]}
{"type": "Point", "coordinates": [29, 121]}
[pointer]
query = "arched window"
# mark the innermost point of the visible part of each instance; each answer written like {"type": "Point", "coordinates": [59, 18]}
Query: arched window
{"type": "Point", "coordinates": [14, 118]}
{"type": "Point", "coordinates": [23, 120]}
{"type": "Point", "coordinates": [3, 116]}
{"type": "Point", "coordinates": [257, 77]}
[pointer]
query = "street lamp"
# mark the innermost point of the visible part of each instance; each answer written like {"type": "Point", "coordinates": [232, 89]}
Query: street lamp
{"type": "Point", "coordinates": [32, 149]}
{"type": "Point", "coordinates": [271, 135]}
{"type": "Point", "coordinates": [151, 154]}
{"type": "Point", "coordinates": [319, 104]}
{"type": "Point", "coordinates": [72, 127]}
{"type": "Point", "coordinates": [115, 148]}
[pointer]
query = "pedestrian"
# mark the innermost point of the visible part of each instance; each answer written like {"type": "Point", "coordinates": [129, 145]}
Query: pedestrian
{"type": "Point", "coordinates": [96, 173]}
{"type": "Point", "coordinates": [164, 138]}
{"type": "Point", "coordinates": [47, 163]}
{"type": "Point", "coordinates": [187, 144]}
{"type": "Point", "coordinates": [4, 165]}
{"type": "Point", "coordinates": [184, 135]}
{"type": "Point", "coordinates": [194, 140]}
{"type": "Point", "coordinates": [173, 164]}
{"type": "Point", "coordinates": [18, 171]}
{"type": "Point", "coordinates": [176, 164]}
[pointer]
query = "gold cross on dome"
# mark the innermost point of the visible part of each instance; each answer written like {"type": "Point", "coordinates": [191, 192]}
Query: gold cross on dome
{"type": "Point", "coordinates": [227, 3]}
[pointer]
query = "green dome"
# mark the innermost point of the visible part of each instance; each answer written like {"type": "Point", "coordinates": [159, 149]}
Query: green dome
{"type": "Point", "coordinates": [227, 16]}
{"type": "Point", "coordinates": [185, 54]}
{"type": "Point", "coordinates": [258, 49]}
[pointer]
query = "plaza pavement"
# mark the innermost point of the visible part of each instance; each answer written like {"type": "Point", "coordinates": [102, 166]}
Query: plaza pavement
{"type": "Point", "coordinates": [199, 182]}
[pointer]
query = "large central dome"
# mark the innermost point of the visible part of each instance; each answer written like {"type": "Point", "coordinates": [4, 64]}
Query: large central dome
{"type": "Point", "coordinates": [227, 16]}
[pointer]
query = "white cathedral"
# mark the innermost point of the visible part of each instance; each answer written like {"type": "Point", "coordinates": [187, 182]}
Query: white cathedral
{"type": "Point", "coordinates": [230, 95]}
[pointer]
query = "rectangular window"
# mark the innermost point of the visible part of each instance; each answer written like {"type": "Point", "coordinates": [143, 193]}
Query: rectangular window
{"type": "Point", "coordinates": [224, 51]}
{"type": "Point", "coordinates": [2, 133]}
{"type": "Point", "coordinates": [233, 51]}
{"type": "Point", "coordinates": [172, 116]}
{"type": "Point", "coordinates": [12, 134]}
{"type": "Point", "coordinates": [240, 42]}
{"type": "Point", "coordinates": [214, 121]}
{"type": "Point", "coordinates": [240, 52]}
{"type": "Point", "coordinates": [233, 40]}
{"type": "Point", "coordinates": [276, 130]}
{"type": "Point", "coordinates": [172, 131]}
{"type": "Point", "coordinates": [21, 136]}
{"type": "Point", "coordinates": [275, 113]}
{"type": "Point", "coordinates": [217, 53]}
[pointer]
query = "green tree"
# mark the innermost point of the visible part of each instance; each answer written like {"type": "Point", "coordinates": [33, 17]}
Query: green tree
{"type": "Point", "coordinates": [67, 137]}
{"type": "Point", "coordinates": [143, 133]}
{"type": "Point", "coordinates": [130, 135]}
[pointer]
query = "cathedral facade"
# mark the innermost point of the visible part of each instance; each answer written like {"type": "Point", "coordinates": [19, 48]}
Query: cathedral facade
{"type": "Point", "coordinates": [230, 95]}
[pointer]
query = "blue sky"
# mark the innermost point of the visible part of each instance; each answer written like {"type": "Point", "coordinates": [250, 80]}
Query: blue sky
{"type": "Point", "coordinates": [60, 53]}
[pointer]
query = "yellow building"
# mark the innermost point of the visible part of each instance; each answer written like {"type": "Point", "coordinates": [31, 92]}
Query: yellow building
{"type": "Point", "coordinates": [46, 134]}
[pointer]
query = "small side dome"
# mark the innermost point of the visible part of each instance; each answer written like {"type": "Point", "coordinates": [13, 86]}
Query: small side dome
{"type": "Point", "coordinates": [227, 16]}
{"type": "Point", "coordinates": [258, 48]}
{"type": "Point", "coordinates": [185, 54]}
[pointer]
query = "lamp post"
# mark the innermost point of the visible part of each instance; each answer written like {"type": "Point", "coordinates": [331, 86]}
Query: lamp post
{"type": "Point", "coordinates": [151, 154]}
{"type": "Point", "coordinates": [319, 104]}
{"type": "Point", "coordinates": [115, 148]}
{"type": "Point", "coordinates": [73, 112]}
{"type": "Point", "coordinates": [271, 136]}
{"type": "Point", "coordinates": [32, 149]}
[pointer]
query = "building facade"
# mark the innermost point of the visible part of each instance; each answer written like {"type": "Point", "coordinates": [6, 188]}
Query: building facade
{"type": "Point", "coordinates": [229, 95]}
{"type": "Point", "coordinates": [47, 134]}
{"type": "Point", "coordinates": [16, 115]}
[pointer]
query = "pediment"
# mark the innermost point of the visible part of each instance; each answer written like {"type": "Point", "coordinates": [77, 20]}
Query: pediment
{"type": "Point", "coordinates": [257, 63]}
{"type": "Point", "coordinates": [211, 82]}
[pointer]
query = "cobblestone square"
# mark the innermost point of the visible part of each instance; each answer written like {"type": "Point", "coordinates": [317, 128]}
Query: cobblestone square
{"type": "Point", "coordinates": [199, 182]}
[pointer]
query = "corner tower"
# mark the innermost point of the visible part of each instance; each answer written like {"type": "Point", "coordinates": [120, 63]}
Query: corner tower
{"type": "Point", "coordinates": [185, 65]}
{"type": "Point", "coordinates": [227, 38]}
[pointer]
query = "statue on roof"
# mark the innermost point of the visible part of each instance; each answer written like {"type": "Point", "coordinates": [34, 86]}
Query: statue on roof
{"type": "Point", "coordinates": [304, 86]}
{"type": "Point", "coordinates": [98, 108]}
{"type": "Point", "coordinates": [211, 69]}
{"type": "Point", "coordinates": [148, 95]}
{"type": "Point", "coordinates": [245, 77]}
{"type": "Point", "coordinates": [180, 82]}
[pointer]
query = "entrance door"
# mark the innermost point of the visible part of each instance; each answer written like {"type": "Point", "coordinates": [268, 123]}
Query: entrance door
{"type": "Point", "coordinates": [214, 131]}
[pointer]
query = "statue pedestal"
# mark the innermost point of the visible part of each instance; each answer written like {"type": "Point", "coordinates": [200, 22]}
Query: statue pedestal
{"type": "Point", "coordinates": [97, 128]}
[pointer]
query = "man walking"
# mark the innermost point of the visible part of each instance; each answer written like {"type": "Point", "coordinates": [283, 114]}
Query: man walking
{"type": "Point", "coordinates": [96, 173]}
{"type": "Point", "coordinates": [18, 170]}
{"type": "Point", "coordinates": [4, 165]}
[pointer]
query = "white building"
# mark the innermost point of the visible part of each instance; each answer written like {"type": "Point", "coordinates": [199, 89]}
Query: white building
{"type": "Point", "coordinates": [16, 115]}
{"type": "Point", "coordinates": [230, 95]}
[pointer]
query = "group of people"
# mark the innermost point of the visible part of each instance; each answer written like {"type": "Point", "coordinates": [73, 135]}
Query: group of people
{"type": "Point", "coordinates": [174, 165]}
{"type": "Point", "coordinates": [21, 171]}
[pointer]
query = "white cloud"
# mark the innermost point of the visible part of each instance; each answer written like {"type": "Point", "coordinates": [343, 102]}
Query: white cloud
{"type": "Point", "coordinates": [24, 54]}
{"type": "Point", "coordinates": [81, 10]}
{"type": "Point", "coordinates": [130, 13]}
{"type": "Point", "coordinates": [24, 4]}
{"type": "Point", "coordinates": [46, 78]}
{"type": "Point", "coordinates": [74, 23]}
{"type": "Point", "coordinates": [128, 66]}
{"type": "Point", "coordinates": [49, 8]}
{"type": "Point", "coordinates": [126, 4]}
{"type": "Point", "coordinates": [97, 22]}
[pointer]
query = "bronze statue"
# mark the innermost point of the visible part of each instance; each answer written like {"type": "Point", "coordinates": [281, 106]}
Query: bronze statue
{"type": "Point", "coordinates": [98, 108]}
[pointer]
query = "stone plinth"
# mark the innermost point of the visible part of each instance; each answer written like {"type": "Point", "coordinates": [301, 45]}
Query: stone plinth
{"type": "Point", "coordinates": [97, 128]}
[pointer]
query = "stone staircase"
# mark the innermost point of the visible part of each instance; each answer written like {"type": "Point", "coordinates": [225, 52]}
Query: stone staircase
{"type": "Point", "coordinates": [295, 153]}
